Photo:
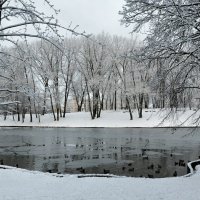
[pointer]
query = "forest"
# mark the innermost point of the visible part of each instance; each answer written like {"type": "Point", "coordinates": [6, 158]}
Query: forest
{"type": "Point", "coordinates": [100, 72]}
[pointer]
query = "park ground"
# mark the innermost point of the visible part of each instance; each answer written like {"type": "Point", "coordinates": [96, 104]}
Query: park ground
{"type": "Point", "coordinates": [20, 184]}
{"type": "Point", "coordinates": [151, 118]}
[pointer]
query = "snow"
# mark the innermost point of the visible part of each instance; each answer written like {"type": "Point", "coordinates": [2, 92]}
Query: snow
{"type": "Point", "coordinates": [20, 184]}
{"type": "Point", "coordinates": [151, 118]}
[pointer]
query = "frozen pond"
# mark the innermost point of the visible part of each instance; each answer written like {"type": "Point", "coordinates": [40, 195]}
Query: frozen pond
{"type": "Point", "coordinates": [153, 152]}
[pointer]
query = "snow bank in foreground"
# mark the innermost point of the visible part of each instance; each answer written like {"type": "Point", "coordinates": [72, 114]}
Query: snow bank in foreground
{"type": "Point", "coordinates": [19, 184]}
{"type": "Point", "coordinates": [151, 118]}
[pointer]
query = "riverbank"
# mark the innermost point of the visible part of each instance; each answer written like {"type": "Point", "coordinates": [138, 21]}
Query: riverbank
{"type": "Point", "coordinates": [18, 184]}
{"type": "Point", "coordinates": [151, 118]}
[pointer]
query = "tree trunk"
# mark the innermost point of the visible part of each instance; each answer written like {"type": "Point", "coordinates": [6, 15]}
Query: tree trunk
{"type": "Point", "coordinates": [60, 111]}
{"type": "Point", "coordinates": [146, 101]}
{"type": "Point", "coordinates": [121, 100]}
{"type": "Point", "coordinates": [129, 108]}
{"type": "Point", "coordinates": [99, 107]}
{"type": "Point", "coordinates": [140, 104]}
{"type": "Point", "coordinates": [18, 113]}
{"type": "Point", "coordinates": [89, 100]}
{"type": "Point", "coordinates": [79, 108]}
{"type": "Point", "coordinates": [81, 103]}
{"type": "Point", "coordinates": [57, 112]}
{"type": "Point", "coordinates": [23, 112]}
{"type": "Point", "coordinates": [102, 100]}
{"type": "Point", "coordinates": [34, 90]}
{"type": "Point", "coordinates": [65, 100]}
{"type": "Point", "coordinates": [52, 108]}
{"type": "Point", "coordinates": [115, 96]}
{"type": "Point", "coordinates": [1, 5]}
{"type": "Point", "coordinates": [45, 96]}
{"type": "Point", "coordinates": [30, 110]}
{"type": "Point", "coordinates": [107, 103]}
{"type": "Point", "coordinates": [95, 103]}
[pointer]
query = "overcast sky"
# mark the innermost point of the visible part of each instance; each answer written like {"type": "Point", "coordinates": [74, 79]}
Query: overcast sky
{"type": "Point", "coordinates": [93, 16]}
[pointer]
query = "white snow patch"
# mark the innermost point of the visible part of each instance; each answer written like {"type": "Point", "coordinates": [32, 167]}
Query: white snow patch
{"type": "Point", "coordinates": [19, 184]}
{"type": "Point", "coordinates": [110, 119]}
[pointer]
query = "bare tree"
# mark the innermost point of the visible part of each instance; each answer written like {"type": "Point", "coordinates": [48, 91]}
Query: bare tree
{"type": "Point", "coordinates": [173, 41]}
{"type": "Point", "coordinates": [94, 67]}
{"type": "Point", "coordinates": [68, 67]}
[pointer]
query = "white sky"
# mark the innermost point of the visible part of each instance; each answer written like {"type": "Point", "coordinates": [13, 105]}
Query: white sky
{"type": "Point", "coordinates": [92, 16]}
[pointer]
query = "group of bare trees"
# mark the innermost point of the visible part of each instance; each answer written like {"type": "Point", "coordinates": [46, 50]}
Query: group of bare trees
{"type": "Point", "coordinates": [171, 46]}
{"type": "Point", "coordinates": [20, 20]}
{"type": "Point", "coordinates": [100, 72]}
{"type": "Point", "coordinates": [97, 73]}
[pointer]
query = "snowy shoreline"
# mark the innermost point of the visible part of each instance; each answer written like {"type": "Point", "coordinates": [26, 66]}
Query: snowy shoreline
{"type": "Point", "coordinates": [17, 184]}
{"type": "Point", "coordinates": [159, 127]}
{"type": "Point", "coordinates": [109, 119]}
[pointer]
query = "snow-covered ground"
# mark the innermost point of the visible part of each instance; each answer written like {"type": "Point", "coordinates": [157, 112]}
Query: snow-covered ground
{"type": "Point", "coordinates": [151, 118]}
{"type": "Point", "coordinates": [20, 184]}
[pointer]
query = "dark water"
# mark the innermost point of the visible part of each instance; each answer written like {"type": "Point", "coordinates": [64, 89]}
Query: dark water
{"type": "Point", "coordinates": [153, 152]}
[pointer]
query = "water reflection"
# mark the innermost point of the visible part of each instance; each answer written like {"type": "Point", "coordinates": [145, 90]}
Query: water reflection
{"type": "Point", "coordinates": [130, 152]}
